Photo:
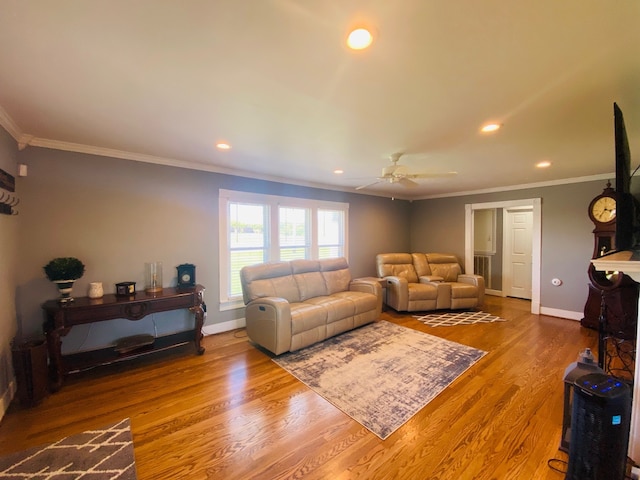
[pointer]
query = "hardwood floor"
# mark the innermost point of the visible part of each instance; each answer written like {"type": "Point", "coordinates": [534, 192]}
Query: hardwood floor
{"type": "Point", "coordinates": [234, 414]}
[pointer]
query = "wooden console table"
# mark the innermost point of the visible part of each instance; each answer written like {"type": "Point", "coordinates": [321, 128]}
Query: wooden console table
{"type": "Point", "coordinates": [60, 318]}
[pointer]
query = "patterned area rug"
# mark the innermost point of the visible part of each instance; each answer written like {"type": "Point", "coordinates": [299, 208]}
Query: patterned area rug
{"type": "Point", "coordinates": [457, 318]}
{"type": "Point", "coordinates": [380, 374]}
{"type": "Point", "coordinates": [105, 454]}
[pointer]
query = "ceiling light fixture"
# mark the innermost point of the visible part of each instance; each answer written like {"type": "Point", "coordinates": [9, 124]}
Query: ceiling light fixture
{"type": "Point", "coordinates": [223, 146]}
{"type": "Point", "coordinates": [338, 171]}
{"type": "Point", "coordinates": [359, 39]}
{"type": "Point", "coordinates": [543, 164]}
{"type": "Point", "coordinates": [490, 127]}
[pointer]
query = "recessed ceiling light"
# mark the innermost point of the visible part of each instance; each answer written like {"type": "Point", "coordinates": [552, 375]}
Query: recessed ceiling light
{"type": "Point", "coordinates": [543, 164]}
{"type": "Point", "coordinates": [490, 127]}
{"type": "Point", "coordinates": [338, 171]}
{"type": "Point", "coordinates": [223, 146]}
{"type": "Point", "coordinates": [359, 39]}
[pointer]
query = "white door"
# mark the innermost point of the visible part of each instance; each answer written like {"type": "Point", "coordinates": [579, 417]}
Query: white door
{"type": "Point", "coordinates": [517, 272]}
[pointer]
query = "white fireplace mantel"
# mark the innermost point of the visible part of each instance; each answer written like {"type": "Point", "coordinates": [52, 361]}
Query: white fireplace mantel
{"type": "Point", "coordinates": [622, 262]}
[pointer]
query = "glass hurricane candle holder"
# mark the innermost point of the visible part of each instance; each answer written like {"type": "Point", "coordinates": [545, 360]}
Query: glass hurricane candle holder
{"type": "Point", "coordinates": [153, 277]}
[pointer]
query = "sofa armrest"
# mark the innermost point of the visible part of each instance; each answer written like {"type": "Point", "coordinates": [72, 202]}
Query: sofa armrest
{"type": "Point", "coordinates": [397, 293]}
{"type": "Point", "coordinates": [477, 280]}
{"type": "Point", "coordinates": [369, 285]}
{"type": "Point", "coordinates": [268, 322]}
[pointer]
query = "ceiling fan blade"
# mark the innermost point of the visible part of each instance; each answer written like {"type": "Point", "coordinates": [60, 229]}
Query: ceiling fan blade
{"type": "Point", "coordinates": [369, 185]}
{"type": "Point", "coordinates": [405, 182]}
{"type": "Point", "coordinates": [432, 175]}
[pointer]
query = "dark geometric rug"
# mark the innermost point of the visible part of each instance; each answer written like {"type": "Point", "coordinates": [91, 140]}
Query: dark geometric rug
{"type": "Point", "coordinates": [380, 374]}
{"type": "Point", "coordinates": [449, 319]}
{"type": "Point", "coordinates": [104, 454]}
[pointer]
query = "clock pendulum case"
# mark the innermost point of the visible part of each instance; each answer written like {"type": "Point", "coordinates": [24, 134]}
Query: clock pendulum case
{"type": "Point", "coordinates": [619, 291]}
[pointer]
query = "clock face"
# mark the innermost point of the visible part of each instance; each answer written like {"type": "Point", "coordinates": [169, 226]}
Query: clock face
{"type": "Point", "coordinates": [186, 278]}
{"type": "Point", "coordinates": [603, 210]}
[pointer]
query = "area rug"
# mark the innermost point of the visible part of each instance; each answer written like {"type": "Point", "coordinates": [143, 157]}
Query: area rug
{"type": "Point", "coordinates": [380, 374]}
{"type": "Point", "coordinates": [457, 318]}
{"type": "Point", "coordinates": [103, 454]}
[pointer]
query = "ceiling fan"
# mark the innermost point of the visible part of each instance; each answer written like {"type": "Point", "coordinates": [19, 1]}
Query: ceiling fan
{"type": "Point", "coordinates": [396, 173]}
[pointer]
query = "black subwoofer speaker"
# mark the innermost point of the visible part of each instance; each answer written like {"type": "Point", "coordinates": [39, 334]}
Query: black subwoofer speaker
{"type": "Point", "coordinates": [31, 370]}
{"type": "Point", "coordinates": [600, 423]}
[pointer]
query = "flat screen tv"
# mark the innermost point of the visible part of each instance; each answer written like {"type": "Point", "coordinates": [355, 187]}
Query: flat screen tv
{"type": "Point", "coordinates": [627, 225]}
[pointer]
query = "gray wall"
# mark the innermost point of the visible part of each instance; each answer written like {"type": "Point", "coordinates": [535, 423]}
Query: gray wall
{"type": "Point", "coordinates": [567, 241]}
{"type": "Point", "coordinates": [8, 254]}
{"type": "Point", "coordinates": [115, 215]}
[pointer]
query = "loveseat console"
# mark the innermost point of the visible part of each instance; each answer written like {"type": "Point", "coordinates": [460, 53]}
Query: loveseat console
{"type": "Point", "coordinates": [418, 282]}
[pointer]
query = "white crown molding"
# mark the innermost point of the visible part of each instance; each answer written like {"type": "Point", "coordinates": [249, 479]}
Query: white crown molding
{"type": "Point", "coordinates": [564, 181]}
{"type": "Point", "coordinates": [24, 140]}
{"type": "Point", "coordinates": [9, 125]}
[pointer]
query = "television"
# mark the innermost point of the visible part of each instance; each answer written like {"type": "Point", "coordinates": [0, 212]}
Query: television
{"type": "Point", "coordinates": [627, 224]}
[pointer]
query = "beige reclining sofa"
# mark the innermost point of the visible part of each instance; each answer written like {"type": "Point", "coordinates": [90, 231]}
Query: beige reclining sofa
{"type": "Point", "coordinates": [428, 281]}
{"type": "Point", "coordinates": [290, 305]}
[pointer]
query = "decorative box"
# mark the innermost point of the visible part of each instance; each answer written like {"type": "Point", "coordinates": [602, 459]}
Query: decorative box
{"type": "Point", "coordinates": [126, 288]}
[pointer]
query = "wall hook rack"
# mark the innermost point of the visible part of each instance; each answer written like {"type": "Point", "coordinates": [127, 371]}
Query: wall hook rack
{"type": "Point", "coordinates": [8, 202]}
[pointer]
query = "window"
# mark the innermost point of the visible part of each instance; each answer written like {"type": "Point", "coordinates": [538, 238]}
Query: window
{"type": "Point", "coordinates": [257, 228]}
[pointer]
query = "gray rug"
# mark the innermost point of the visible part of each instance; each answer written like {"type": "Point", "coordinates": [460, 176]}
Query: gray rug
{"type": "Point", "coordinates": [449, 319]}
{"type": "Point", "coordinates": [380, 374]}
{"type": "Point", "coordinates": [103, 454]}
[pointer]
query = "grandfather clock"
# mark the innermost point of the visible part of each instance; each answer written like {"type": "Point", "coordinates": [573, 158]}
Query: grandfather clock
{"type": "Point", "coordinates": [617, 292]}
{"type": "Point", "coordinates": [602, 212]}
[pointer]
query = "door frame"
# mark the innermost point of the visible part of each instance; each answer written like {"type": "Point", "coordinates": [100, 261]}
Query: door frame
{"type": "Point", "coordinates": [536, 240]}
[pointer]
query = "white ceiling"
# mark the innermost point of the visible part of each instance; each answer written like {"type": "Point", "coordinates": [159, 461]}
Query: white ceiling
{"type": "Point", "coordinates": [163, 80]}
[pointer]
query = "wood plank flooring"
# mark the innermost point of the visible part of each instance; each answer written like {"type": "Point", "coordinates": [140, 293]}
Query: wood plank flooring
{"type": "Point", "coordinates": [234, 414]}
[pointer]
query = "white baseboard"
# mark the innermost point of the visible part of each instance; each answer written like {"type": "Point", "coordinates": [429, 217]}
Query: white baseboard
{"type": "Point", "coordinates": [224, 326]}
{"type": "Point", "coordinates": [554, 312]}
{"type": "Point", "coordinates": [7, 397]}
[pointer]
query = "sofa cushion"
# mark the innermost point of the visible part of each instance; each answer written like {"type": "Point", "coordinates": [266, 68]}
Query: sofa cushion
{"type": "Point", "coordinates": [310, 281]}
{"type": "Point", "coordinates": [269, 280]}
{"type": "Point", "coordinates": [396, 265]}
{"type": "Point", "coordinates": [337, 308]}
{"type": "Point", "coordinates": [463, 290]}
{"type": "Point", "coordinates": [448, 271]}
{"type": "Point", "coordinates": [421, 264]}
{"type": "Point", "coordinates": [362, 302]}
{"type": "Point", "coordinates": [307, 316]}
{"type": "Point", "coordinates": [422, 291]}
{"type": "Point", "coordinates": [336, 274]}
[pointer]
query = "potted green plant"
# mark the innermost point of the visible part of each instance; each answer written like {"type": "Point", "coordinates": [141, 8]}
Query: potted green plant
{"type": "Point", "coordinates": [64, 271]}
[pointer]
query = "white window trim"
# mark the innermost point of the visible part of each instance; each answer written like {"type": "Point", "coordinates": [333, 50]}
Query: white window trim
{"type": "Point", "coordinates": [274, 201]}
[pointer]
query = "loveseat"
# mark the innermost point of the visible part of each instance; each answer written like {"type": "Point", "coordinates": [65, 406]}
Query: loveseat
{"type": "Point", "coordinates": [290, 305]}
{"type": "Point", "coordinates": [428, 281]}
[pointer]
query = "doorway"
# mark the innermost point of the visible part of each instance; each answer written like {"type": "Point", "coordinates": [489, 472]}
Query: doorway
{"type": "Point", "coordinates": [532, 205]}
{"type": "Point", "coordinates": [518, 232]}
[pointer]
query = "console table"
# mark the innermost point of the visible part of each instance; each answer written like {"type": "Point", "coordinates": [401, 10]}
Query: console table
{"type": "Point", "coordinates": [60, 318]}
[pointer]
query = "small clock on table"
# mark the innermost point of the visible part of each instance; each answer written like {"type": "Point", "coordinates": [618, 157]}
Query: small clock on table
{"type": "Point", "coordinates": [186, 275]}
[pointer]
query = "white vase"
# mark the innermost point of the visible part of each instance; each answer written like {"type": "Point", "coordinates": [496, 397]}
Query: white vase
{"type": "Point", "coordinates": [65, 287]}
{"type": "Point", "coordinates": [95, 290]}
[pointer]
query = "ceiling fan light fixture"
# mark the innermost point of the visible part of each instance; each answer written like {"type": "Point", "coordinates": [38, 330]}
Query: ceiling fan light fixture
{"type": "Point", "coordinates": [359, 39]}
